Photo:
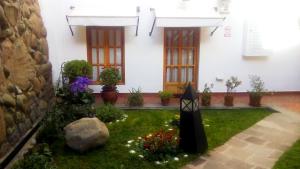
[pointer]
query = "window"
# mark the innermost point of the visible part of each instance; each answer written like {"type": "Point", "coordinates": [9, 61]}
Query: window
{"type": "Point", "coordinates": [106, 49]}
{"type": "Point", "coordinates": [181, 47]}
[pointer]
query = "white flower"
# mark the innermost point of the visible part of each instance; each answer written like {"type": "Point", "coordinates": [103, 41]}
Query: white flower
{"type": "Point", "coordinates": [141, 156]}
{"type": "Point", "coordinates": [207, 125]}
{"type": "Point", "coordinates": [157, 162]}
{"type": "Point", "coordinates": [130, 141]}
{"type": "Point", "coordinates": [132, 152]}
{"type": "Point", "coordinates": [185, 155]}
{"type": "Point", "coordinates": [139, 138]}
{"type": "Point", "coordinates": [170, 129]}
{"type": "Point", "coordinates": [175, 138]}
{"type": "Point", "coordinates": [176, 158]}
{"type": "Point", "coordinates": [127, 145]}
{"type": "Point", "coordinates": [117, 121]}
{"type": "Point", "coordinates": [150, 135]}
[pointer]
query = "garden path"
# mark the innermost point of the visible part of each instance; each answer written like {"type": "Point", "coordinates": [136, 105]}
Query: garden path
{"type": "Point", "coordinates": [258, 147]}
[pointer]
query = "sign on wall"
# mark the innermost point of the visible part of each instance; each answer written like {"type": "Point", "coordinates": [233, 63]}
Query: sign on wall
{"type": "Point", "coordinates": [253, 40]}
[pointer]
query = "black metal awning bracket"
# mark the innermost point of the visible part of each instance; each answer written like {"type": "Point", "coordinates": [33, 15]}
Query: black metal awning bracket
{"type": "Point", "coordinates": [154, 21]}
{"type": "Point", "coordinates": [70, 27]}
{"type": "Point", "coordinates": [216, 28]}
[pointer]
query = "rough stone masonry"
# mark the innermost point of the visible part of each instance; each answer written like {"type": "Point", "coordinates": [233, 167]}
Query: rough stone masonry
{"type": "Point", "coordinates": [25, 71]}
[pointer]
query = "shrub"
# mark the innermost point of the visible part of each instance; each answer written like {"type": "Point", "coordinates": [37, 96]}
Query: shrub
{"type": "Point", "coordinates": [135, 97]}
{"type": "Point", "coordinates": [73, 102]}
{"type": "Point", "coordinates": [40, 157]}
{"type": "Point", "coordinates": [231, 84]}
{"type": "Point", "coordinates": [109, 113]}
{"type": "Point", "coordinates": [77, 92]}
{"type": "Point", "coordinates": [206, 94]}
{"type": "Point", "coordinates": [75, 68]}
{"type": "Point", "coordinates": [110, 77]}
{"type": "Point", "coordinates": [257, 85]}
{"type": "Point", "coordinates": [160, 145]}
{"type": "Point", "coordinates": [165, 94]}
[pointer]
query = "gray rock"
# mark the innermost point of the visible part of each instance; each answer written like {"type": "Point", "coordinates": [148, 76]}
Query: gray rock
{"type": "Point", "coordinates": [86, 133]}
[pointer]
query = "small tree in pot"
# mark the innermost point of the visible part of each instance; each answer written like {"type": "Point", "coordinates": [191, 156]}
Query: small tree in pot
{"type": "Point", "coordinates": [206, 95]}
{"type": "Point", "coordinates": [257, 91]}
{"type": "Point", "coordinates": [165, 97]}
{"type": "Point", "coordinates": [109, 78]}
{"type": "Point", "coordinates": [231, 84]}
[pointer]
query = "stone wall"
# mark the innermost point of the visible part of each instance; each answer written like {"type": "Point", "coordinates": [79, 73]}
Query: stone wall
{"type": "Point", "coordinates": [25, 72]}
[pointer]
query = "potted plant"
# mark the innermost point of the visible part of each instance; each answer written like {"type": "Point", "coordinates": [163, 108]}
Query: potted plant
{"type": "Point", "coordinates": [206, 95]}
{"type": "Point", "coordinates": [231, 84]}
{"type": "Point", "coordinates": [135, 98]}
{"type": "Point", "coordinates": [109, 78]}
{"type": "Point", "coordinates": [257, 91]}
{"type": "Point", "coordinates": [74, 68]}
{"type": "Point", "coordinates": [165, 97]}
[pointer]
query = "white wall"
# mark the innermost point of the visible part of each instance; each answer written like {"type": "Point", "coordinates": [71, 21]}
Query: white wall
{"type": "Point", "coordinates": [219, 56]}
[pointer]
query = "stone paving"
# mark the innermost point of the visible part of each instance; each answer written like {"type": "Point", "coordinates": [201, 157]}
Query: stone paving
{"type": "Point", "coordinates": [258, 147]}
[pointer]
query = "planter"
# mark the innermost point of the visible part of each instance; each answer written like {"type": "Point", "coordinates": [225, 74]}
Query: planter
{"type": "Point", "coordinates": [255, 100]}
{"type": "Point", "coordinates": [109, 94]}
{"type": "Point", "coordinates": [228, 100]}
{"type": "Point", "coordinates": [205, 101]}
{"type": "Point", "coordinates": [165, 102]}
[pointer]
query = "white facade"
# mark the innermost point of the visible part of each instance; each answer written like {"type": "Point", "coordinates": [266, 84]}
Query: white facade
{"type": "Point", "coordinates": [221, 55]}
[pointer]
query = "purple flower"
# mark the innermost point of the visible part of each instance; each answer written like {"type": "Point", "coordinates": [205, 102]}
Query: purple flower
{"type": "Point", "coordinates": [80, 84]}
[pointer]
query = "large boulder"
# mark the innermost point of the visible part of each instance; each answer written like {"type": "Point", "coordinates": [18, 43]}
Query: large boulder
{"type": "Point", "coordinates": [86, 133]}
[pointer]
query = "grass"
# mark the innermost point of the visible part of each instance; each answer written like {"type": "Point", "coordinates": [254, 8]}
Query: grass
{"type": "Point", "coordinates": [221, 125]}
{"type": "Point", "coordinates": [290, 159]}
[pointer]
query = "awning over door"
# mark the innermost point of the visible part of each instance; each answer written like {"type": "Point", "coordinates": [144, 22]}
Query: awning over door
{"type": "Point", "coordinates": [186, 18]}
{"type": "Point", "coordinates": [94, 16]}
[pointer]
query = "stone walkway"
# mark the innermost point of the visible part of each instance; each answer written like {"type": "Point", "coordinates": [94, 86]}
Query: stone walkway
{"type": "Point", "coordinates": [258, 147]}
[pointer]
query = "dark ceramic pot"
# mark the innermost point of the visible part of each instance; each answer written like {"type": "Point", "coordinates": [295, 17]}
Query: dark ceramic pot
{"type": "Point", "coordinates": [109, 94]}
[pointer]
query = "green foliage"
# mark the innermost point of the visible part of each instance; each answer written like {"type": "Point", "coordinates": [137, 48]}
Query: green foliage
{"type": "Point", "coordinates": [290, 159]}
{"type": "Point", "coordinates": [135, 97]}
{"type": "Point", "coordinates": [257, 85]}
{"type": "Point", "coordinates": [160, 145]}
{"type": "Point", "coordinates": [165, 94]}
{"type": "Point", "coordinates": [38, 158]}
{"type": "Point", "coordinates": [68, 108]}
{"type": "Point", "coordinates": [75, 68]}
{"type": "Point", "coordinates": [232, 83]}
{"type": "Point", "coordinates": [206, 94]}
{"type": "Point", "coordinates": [110, 77]}
{"type": "Point", "coordinates": [175, 121]}
{"type": "Point", "coordinates": [51, 126]}
{"type": "Point", "coordinates": [223, 125]}
{"type": "Point", "coordinates": [109, 113]}
{"type": "Point", "coordinates": [65, 96]}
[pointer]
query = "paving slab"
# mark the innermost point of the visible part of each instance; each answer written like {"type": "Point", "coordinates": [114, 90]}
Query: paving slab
{"type": "Point", "coordinates": [258, 147]}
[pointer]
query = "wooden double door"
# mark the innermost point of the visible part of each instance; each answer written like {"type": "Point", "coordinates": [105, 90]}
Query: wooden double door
{"type": "Point", "coordinates": [181, 55]}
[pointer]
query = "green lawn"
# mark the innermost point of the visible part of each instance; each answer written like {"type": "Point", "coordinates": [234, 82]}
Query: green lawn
{"type": "Point", "coordinates": [220, 126]}
{"type": "Point", "coordinates": [290, 159]}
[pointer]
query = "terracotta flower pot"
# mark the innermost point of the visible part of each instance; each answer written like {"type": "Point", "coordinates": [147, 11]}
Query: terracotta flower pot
{"type": "Point", "coordinates": [205, 101]}
{"type": "Point", "coordinates": [228, 100]}
{"type": "Point", "coordinates": [255, 100]}
{"type": "Point", "coordinates": [165, 102]}
{"type": "Point", "coordinates": [109, 94]}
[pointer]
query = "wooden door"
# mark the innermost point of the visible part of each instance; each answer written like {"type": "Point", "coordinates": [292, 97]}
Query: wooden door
{"type": "Point", "coordinates": [181, 54]}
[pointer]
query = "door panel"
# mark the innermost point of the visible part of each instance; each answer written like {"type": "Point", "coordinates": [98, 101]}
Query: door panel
{"type": "Point", "coordinates": [181, 47]}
